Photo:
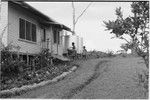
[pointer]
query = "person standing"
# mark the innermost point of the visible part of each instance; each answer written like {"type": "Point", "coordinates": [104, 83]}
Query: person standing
{"type": "Point", "coordinates": [73, 46]}
{"type": "Point", "coordinates": [73, 50]}
{"type": "Point", "coordinates": [84, 54]}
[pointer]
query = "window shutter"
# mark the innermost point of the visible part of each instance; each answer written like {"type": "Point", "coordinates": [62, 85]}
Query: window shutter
{"type": "Point", "coordinates": [44, 35]}
{"type": "Point", "coordinates": [33, 32]}
{"type": "Point", "coordinates": [22, 28]}
{"type": "Point", "coordinates": [28, 30]}
{"type": "Point", "coordinates": [55, 36]}
{"type": "Point", "coordinates": [58, 37]}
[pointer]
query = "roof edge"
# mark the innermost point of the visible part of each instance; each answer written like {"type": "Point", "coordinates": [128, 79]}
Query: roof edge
{"type": "Point", "coordinates": [49, 20]}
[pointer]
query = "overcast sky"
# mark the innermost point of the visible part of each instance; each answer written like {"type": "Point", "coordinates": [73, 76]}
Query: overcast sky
{"type": "Point", "coordinates": [90, 25]}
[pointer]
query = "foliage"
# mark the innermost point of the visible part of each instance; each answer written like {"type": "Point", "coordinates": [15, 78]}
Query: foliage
{"type": "Point", "coordinates": [110, 53]}
{"type": "Point", "coordinates": [13, 77]}
{"type": "Point", "coordinates": [135, 27]}
{"type": "Point", "coordinates": [43, 59]}
{"type": "Point", "coordinates": [124, 47]}
{"type": "Point", "coordinates": [9, 65]}
{"type": "Point", "coordinates": [95, 54]}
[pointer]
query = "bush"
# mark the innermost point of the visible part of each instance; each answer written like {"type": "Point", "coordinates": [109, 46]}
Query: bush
{"type": "Point", "coordinates": [43, 59]}
{"type": "Point", "coordinates": [9, 66]}
{"type": "Point", "coordinates": [110, 54]}
{"type": "Point", "coordinates": [124, 55]}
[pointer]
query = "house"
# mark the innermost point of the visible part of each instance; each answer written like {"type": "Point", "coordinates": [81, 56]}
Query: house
{"type": "Point", "coordinates": [29, 30]}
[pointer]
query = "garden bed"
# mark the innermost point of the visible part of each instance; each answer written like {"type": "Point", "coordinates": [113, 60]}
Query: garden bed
{"type": "Point", "coordinates": [30, 77]}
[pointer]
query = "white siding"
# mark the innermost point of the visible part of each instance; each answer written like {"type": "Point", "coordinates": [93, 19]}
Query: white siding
{"type": "Point", "coordinates": [4, 23]}
{"type": "Point", "coordinates": [58, 48]}
{"type": "Point", "coordinates": [10, 15]}
{"type": "Point", "coordinates": [65, 43]}
{"type": "Point", "coordinates": [49, 36]}
{"type": "Point", "coordinates": [80, 45]}
{"type": "Point", "coordinates": [72, 38]}
{"type": "Point", "coordinates": [76, 39]}
{"type": "Point", "coordinates": [13, 31]}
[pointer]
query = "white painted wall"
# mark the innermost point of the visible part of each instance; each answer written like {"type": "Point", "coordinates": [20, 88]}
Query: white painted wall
{"type": "Point", "coordinates": [80, 45]}
{"type": "Point", "coordinates": [67, 42]}
{"type": "Point", "coordinates": [4, 24]}
{"type": "Point", "coordinates": [14, 13]}
{"type": "Point", "coordinates": [11, 14]}
{"type": "Point", "coordinates": [78, 42]}
{"type": "Point", "coordinates": [58, 48]}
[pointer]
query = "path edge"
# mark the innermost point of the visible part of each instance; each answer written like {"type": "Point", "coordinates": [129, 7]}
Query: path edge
{"type": "Point", "coordinates": [25, 88]}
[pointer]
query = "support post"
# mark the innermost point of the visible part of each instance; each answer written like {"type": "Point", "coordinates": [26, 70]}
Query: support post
{"type": "Point", "coordinates": [27, 59]}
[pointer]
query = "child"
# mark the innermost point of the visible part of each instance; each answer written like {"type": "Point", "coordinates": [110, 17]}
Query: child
{"type": "Point", "coordinates": [84, 53]}
{"type": "Point", "coordinates": [73, 50]}
{"type": "Point", "coordinates": [73, 46]}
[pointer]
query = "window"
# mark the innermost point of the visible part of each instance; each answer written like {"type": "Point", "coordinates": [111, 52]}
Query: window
{"type": "Point", "coordinates": [27, 30]}
{"type": "Point", "coordinates": [44, 35]}
{"type": "Point", "coordinates": [31, 58]}
{"type": "Point", "coordinates": [56, 36]}
{"type": "Point", "coordinates": [34, 32]}
{"type": "Point", "coordinates": [22, 29]}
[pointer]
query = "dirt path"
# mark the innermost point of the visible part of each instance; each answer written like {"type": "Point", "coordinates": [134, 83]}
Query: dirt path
{"type": "Point", "coordinates": [109, 78]}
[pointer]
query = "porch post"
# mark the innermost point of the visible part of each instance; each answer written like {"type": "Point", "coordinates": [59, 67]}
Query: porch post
{"type": "Point", "coordinates": [57, 40]}
{"type": "Point", "coordinates": [48, 43]}
{"type": "Point", "coordinates": [27, 59]}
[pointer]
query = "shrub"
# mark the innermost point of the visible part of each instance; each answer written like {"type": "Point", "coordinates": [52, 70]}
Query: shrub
{"type": "Point", "coordinates": [110, 54]}
{"type": "Point", "coordinates": [43, 59]}
{"type": "Point", "coordinates": [10, 66]}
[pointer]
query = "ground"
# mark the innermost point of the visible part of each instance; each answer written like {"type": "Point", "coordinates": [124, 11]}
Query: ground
{"type": "Point", "coordinates": [107, 78]}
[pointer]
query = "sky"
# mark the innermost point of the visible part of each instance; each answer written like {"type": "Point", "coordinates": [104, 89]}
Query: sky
{"type": "Point", "coordinates": [90, 26]}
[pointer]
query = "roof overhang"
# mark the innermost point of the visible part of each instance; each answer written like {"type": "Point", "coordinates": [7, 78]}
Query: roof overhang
{"type": "Point", "coordinates": [32, 10]}
{"type": "Point", "coordinates": [47, 20]}
{"type": "Point", "coordinates": [61, 26]}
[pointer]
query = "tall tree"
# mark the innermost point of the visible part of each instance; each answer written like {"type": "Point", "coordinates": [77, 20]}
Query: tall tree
{"type": "Point", "coordinates": [76, 19]}
{"type": "Point", "coordinates": [136, 27]}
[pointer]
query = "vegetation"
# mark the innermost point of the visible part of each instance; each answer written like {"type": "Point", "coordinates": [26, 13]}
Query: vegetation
{"type": "Point", "coordinates": [43, 59]}
{"type": "Point", "coordinates": [10, 66]}
{"type": "Point", "coordinates": [96, 54]}
{"type": "Point", "coordinates": [16, 73]}
{"type": "Point", "coordinates": [110, 53]}
{"type": "Point", "coordinates": [136, 27]}
{"type": "Point", "coordinates": [124, 47]}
